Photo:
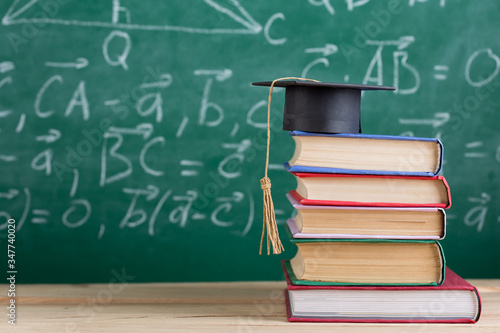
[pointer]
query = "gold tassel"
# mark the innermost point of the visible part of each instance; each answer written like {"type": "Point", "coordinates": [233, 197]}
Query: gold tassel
{"type": "Point", "coordinates": [269, 220]}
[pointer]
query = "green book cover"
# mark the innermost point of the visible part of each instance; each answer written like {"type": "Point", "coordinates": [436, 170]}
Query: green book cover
{"type": "Point", "coordinates": [296, 281]}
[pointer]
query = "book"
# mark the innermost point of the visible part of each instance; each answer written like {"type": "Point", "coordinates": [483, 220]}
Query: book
{"type": "Point", "coordinates": [455, 301]}
{"type": "Point", "coordinates": [366, 261]}
{"type": "Point", "coordinates": [366, 222]}
{"type": "Point", "coordinates": [365, 154]}
{"type": "Point", "coordinates": [371, 190]}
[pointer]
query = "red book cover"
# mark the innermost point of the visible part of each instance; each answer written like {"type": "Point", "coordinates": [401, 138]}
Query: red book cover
{"type": "Point", "coordinates": [305, 201]}
{"type": "Point", "coordinates": [452, 282]}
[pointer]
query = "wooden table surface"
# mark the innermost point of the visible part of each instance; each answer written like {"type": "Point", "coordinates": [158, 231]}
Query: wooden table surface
{"type": "Point", "coordinates": [188, 307]}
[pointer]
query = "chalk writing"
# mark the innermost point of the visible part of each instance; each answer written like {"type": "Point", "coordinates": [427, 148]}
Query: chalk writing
{"type": "Point", "coordinates": [240, 16]}
{"type": "Point", "coordinates": [476, 216]}
{"type": "Point", "coordinates": [152, 128]}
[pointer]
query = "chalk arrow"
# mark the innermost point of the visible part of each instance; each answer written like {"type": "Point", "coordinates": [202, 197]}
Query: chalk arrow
{"type": "Point", "coordinates": [483, 200]}
{"type": "Point", "coordinates": [144, 129]}
{"type": "Point", "coordinates": [9, 195]}
{"type": "Point", "coordinates": [405, 41]}
{"type": "Point", "coordinates": [153, 192]}
{"type": "Point", "coordinates": [150, 192]}
{"type": "Point", "coordinates": [165, 81]}
{"type": "Point", "coordinates": [401, 43]}
{"type": "Point", "coordinates": [5, 113]}
{"type": "Point", "coordinates": [6, 66]}
{"type": "Point", "coordinates": [326, 51]}
{"type": "Point", "coordinates": [220, 75]}
{"type": "Point", "coordinates": [53, 135]}
{"type": "Point", "coordinates": [78, 64]}
{"type": "Point", "coordinates": [237, 197]}
{"type": "Point", "coordinates": [240, 147]}
{"type": "Point", "coordinates": [198, 216]}
{"type": "Point", "coordinates": [8, 158]}
{"type": "Point", "coordinates": [439, 119]}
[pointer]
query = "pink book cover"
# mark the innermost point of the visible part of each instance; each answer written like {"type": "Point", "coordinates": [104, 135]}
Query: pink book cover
{"type": "Point", "coordinates": [305, 201]}
{"type": "Point", "coordinates": [297, 234]}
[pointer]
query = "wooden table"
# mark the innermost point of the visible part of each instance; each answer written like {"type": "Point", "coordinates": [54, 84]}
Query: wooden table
{"type": "Point", "coordinates": [187, 307]}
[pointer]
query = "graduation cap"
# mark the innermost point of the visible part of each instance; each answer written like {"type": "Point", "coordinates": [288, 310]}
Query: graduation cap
{"type": "Point", "coordinates": [310, 106]}
{"type": "Point", "coordinates": [322, 107]}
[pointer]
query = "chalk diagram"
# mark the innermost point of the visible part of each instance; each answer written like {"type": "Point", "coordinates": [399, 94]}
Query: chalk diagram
{"type": "Point", "coordinates": [121, 18]}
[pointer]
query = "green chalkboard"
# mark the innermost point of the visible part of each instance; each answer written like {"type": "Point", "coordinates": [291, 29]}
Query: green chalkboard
{"type": "Point", "coordinates": [132, 141]}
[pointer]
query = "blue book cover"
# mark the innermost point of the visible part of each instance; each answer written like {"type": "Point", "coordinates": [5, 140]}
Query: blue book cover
{"type": "Point", "coordinates": [317, 169]}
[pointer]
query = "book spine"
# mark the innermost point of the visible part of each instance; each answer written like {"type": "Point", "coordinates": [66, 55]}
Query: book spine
{"type": "Point", "coordinates": [306, 169]}
{"type": "Point", "coordinates": [443, 263]}
{"type": "Point", "coordinates": [441, 156]}
{"type": "Point", "coordinates": [307, 202]}
{"type": "Point", "coordinates": [479, 304]}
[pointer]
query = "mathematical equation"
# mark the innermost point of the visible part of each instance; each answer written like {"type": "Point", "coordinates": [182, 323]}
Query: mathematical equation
{"type": "Point", "coordinates": [126, 150]}
{"type": "Point", "coordinates": [144, 207]}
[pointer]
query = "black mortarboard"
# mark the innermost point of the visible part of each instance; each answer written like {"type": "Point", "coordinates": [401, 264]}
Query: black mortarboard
{"type": "Point", "coordinates": [310, 106]}
{"type": "Point", "coordinates": [322, 107]}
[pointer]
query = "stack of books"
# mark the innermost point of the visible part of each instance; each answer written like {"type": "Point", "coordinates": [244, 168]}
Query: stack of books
{"type": "Point", "coordinates": [370, 213]}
